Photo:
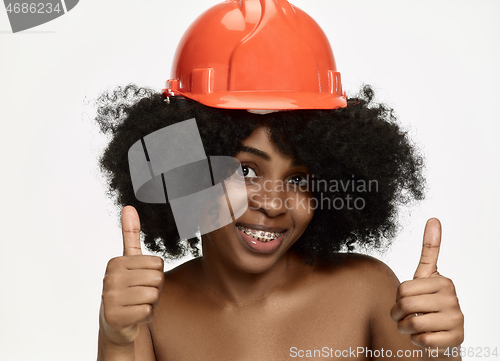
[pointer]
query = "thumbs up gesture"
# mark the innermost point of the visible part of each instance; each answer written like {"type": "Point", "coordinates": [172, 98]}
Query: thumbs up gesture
{"type": "Point", "coordinates": [131, 286]}
{"type": "Point", "coordinates": [427, 307]}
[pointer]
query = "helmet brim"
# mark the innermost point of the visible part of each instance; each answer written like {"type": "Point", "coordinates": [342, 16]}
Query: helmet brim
{"type": "Point", "coordinates": [285, 100]}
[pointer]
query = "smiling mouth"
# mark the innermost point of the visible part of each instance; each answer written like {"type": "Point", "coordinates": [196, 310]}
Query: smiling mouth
{"type": "Point", "coordinates": [260, 236]}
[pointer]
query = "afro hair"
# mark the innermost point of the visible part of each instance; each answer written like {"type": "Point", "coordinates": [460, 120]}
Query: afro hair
{"type": "Point", "coordinates": [362, 142]}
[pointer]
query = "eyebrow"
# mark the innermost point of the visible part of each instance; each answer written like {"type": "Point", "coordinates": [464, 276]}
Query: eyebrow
{"type": "Point", "coordinates": [256, 152]}
{"type": "Point", "coordinates": [263, 155]}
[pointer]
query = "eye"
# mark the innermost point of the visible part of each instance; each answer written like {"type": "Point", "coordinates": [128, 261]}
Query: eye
{"type": "Point", "coordinates": [299, 180]}
{"type": "Point", "coordinates": [248, 172]}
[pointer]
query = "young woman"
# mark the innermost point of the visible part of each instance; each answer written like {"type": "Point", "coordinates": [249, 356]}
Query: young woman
{"type": "Point", "coordinates": [274, 284]}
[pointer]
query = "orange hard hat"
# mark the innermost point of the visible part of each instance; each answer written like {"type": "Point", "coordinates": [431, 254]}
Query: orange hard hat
{"type": "Point", "coordinates": [256, 54]}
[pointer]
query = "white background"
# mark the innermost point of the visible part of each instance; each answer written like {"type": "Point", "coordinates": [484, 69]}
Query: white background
{"type": "Point", "coordinates": [436, 62]}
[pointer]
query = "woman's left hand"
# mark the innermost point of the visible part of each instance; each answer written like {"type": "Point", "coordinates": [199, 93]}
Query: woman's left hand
{"type": "Point", "coordinates": [427, 307]}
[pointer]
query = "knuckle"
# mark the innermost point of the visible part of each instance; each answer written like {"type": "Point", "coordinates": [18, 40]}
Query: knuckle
{"type": "Point", "coordinates": [155, 294]}
{"type": "Point", "coordinates": [404, 288]}
{"type": "Point", "coordinates": [152, 294]}
{"type": "Point", "coordinates": [462, 320]}
{"type": "Point", "coordinates": [114, 263]}
{"type": "Point", "coordinates": [456, 338]}
{"type": "Point", "coordinates": [112, 317]}
{"type": "Point", "coordinates": [108, 282]}
{"type": "Point", "coordinates": [159, 262]}
{"type": "Point", "coordinates": [416, 324]}
{"type": "Point", "coordinates": [446, 284]}
{"type": "Point", "coordinates": [400, 327]}
{"type": "Point", "coordinates": [109, 278]}
{"type": "Point", "coordinates": [458, 318]}
{"type": "Point", "coordinates": [158, 278]}
{"type": "Point", "coordinates": [111, 281]}
{"type": "Point", "coordinates": [108, 298]}
{"type": "Point", "coordinates": [416, 340]}
{"type": "Point", "coordinates": [147, 312]}
{"type": "Point", "coordinates": [154, 262]}
{"type": "Point", "coordinates": [405, 304]}
{"type": "Point", "coordinates": [154, 277]}
{"type": "Point", "coordinates": [451, 303]}
{"type": "Point", "coordinates": [459, 337]}
{"type": "Point", "coordinates": [426, 340]}
{"type": "Point", "coordinates": [394, 314]}
{"type": "Point", "coordinates": [403, 328]}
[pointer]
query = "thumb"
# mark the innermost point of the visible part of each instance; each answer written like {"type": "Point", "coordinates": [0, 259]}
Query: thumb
{"type": "Point", "coordinates": [131, 231]}
{"type": "Point", "coordinates": [430, 250]}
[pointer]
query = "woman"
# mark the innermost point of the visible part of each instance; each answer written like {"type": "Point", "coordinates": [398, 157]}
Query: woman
{"type": "Point", "coordinates": [288, 292]}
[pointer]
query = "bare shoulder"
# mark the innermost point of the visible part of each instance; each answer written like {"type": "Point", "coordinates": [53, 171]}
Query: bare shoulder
{"type": "Point", "coordinates": [353, 291]}
{"type": "Point", "coordinates": [371, 268]}
{"type": "Point", "coordinates": [363, 273]}
{"type": "Point", "coordinates": [356, 264]}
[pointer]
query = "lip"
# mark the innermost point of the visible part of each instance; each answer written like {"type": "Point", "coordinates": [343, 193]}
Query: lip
{"type": "Point", "coordinates": [258, 246]}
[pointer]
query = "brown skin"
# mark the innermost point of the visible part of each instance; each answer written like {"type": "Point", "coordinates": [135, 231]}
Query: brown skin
{"type": "Point", "coordinates": [440, 321]}
{"type": "Point", "coordinates": [236, 304]}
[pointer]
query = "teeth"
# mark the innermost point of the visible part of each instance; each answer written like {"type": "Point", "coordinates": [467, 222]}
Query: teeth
{"type": "Point", "coordinates": [260, 235]}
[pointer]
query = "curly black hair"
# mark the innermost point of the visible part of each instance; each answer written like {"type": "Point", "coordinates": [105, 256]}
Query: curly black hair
{"type": "Point", "coordinates": [362, 142]}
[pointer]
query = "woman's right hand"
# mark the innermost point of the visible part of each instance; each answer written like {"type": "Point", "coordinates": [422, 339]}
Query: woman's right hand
{"type": "Point", "coordinates": [131, 286]}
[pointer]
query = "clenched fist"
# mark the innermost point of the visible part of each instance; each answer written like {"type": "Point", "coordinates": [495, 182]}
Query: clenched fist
{"type": "Point", "coordinates": [132, 286]}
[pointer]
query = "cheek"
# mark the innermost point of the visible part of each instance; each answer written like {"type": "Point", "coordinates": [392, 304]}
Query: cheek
{"type": "Point", "coordinates": [218, 239]}
{"type": "Point", "coordinates": [254, 194]}
{"type": "Point", "coordinates": [302, 207]}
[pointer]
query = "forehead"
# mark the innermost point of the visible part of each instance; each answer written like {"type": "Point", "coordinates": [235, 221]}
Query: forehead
{"type": "Point", "coordinates": [260, 142]}
{"type": "Point", "coordinates": [260, 138]}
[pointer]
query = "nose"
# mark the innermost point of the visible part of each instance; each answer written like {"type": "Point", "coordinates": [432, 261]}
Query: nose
{"type": "Point", "coordinates": [270, 198]}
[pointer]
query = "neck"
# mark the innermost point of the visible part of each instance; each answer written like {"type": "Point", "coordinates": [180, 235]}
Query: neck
{"type": "Point", "coordinates": [237, 287]}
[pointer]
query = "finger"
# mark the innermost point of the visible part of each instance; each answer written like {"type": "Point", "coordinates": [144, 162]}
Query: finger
{"type": "Point", "coordinates": [442, 339]}
{"type": "Point", "coordinates": [427, 266]}
{"type": "Point", "coordinates": [415, 305]}
{"type": "Point", "coordinates": [131, 231]}
{"type": "Point", "coordinates": [126, 316]}
{"type": "Point", "coordinates": [423, 286]}
{"type": "Point", "coordinates": [135, 278]}
{"type": "Point", "coordinates": [141, 296]}
{"type": "Point", "coordinates": [430, 322]}
{"type": "Point", "coordinates": [149, 278]}
{"type": "Point", "coordinates": [132, 262]}
{"type": "Point", "coordinates": [144, 262]}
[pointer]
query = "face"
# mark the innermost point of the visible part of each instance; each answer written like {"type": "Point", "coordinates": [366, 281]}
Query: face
{"type": "Point", "coordinates": [278, 209]}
